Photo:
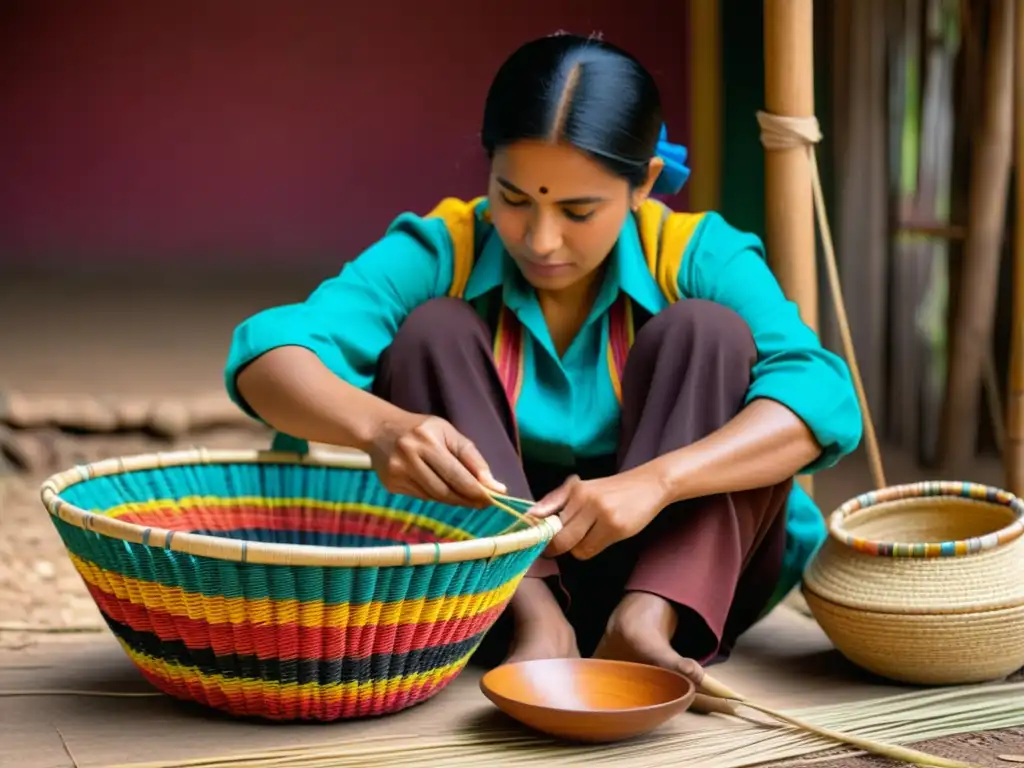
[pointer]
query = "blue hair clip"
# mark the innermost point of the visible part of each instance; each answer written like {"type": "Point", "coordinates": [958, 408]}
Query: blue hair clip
{"type": "Point", "coordinates": [675, 173]}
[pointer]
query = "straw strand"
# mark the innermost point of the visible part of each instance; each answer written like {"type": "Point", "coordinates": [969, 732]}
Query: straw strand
{"type": "Point", "coordinates": [916, 716]}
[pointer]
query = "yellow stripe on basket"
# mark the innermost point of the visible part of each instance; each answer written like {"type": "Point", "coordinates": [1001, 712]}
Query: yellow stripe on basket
{"type": "Point", "coordinates": [332, 692]}
{"type": "Point", "coordinates": [191, 503]}
{"type": "Point", "coordinates": [312, 614]}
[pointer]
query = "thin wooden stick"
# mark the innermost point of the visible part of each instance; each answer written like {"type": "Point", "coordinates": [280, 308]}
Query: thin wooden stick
{"type": "Point", "coordinates": [58, 630]}
{"type": "Point", "coordinates": [868, 745]}
{"type": "Point", "coordinates": [62, 692]}
{"type": "Point", "coordinates": [514, 499]}
{"type": "Point", "coordinates": [67, 749]}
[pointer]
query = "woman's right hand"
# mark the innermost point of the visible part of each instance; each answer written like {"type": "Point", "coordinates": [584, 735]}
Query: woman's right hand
{"type": "Point", "coordinates": [426, 457]}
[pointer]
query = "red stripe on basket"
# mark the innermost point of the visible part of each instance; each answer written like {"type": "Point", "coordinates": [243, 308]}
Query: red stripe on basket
{"type": "Point", "coordinates": [289, 640]}
{"type": "Point", "coordinates": [269, 702]}
{"type": "Point", "coordinates": [282, 519]}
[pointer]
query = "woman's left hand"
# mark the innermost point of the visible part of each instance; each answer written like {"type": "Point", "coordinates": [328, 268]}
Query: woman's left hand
{"type": "Point", "coordinates": [598, 513]}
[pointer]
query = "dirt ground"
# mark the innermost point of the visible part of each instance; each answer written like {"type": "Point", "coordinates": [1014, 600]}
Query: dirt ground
{"type": "Point", "coordinates": [161, 338]}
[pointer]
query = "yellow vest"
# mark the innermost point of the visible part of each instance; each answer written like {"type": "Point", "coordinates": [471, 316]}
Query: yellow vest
{"type": "Point", "coordinates": [664, 237]}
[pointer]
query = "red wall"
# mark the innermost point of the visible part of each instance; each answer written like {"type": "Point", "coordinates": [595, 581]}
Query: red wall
{"type": "Point", "coordinates": [257, 131]}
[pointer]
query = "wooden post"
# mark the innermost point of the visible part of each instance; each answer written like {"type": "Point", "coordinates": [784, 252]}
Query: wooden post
{"type": "Point", "coordinates": [789, 92]}
{"type": "Point", "coordinates": [986, 220]}
{"type": "Point", "coordinates": [705, 105]}
{"type": "Point", "coordinates": [1013, 453]}
{"type": "Point", "coordinates": [857, 145]}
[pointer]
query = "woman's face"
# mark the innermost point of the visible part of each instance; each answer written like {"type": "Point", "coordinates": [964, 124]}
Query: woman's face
{"type": "Point", "coordinates": [558, 212]}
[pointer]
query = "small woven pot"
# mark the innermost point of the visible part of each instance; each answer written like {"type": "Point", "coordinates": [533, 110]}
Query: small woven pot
{"type": "Point", "coordinates": [284, 586]}
{"type": "Point", "coordinates": [924, 583]}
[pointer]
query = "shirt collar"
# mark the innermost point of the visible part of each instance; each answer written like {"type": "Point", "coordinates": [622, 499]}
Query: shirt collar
{"type": "Point", "coordinates": [490, 268]}
{"type": "Point", "coordinates": [629, 266]}
{"type": "Point", "coordinates": [627, 271]}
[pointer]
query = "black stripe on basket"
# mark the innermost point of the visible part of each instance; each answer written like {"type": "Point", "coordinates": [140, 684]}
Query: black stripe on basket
{"type": "Point", "coordinates": [347, 669]}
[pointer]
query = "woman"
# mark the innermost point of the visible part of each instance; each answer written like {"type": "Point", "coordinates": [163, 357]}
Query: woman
{"type": "Point", "coordinates": [567, 339]}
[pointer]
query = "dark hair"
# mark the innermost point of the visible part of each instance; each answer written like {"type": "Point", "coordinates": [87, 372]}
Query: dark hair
{"type": "Point", "coordinates": [582, 91]}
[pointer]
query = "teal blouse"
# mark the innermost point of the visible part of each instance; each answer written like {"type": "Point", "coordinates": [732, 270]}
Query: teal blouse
{"type": "Point", "coordinates": [567, 407]}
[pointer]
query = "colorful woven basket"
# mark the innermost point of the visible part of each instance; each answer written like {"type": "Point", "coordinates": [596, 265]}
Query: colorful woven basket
{"type": "Point", "coordinates": [924, 583]}
{"type": "Point", "coordinates": [284, 586]}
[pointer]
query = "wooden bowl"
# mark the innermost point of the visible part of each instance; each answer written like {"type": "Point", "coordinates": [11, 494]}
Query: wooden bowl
{"type": "Point", "coordinates": [590, 700]}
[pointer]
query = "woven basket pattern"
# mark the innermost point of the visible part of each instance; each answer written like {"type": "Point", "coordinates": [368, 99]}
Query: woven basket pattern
{"type": "Point", "coordinates": [257, 631]}
{"type": "Point", "coordinates": [924, 584]}
{"type": "Point", "coordinates": [926, 650]}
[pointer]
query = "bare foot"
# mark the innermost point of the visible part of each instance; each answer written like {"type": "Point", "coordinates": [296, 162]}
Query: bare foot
{"type": "Point", "coordinates": [538, 641]}
{"type": "Point", "coordinates": [541, 629]}
{"type": "Point", "coordinates": [640, 629]}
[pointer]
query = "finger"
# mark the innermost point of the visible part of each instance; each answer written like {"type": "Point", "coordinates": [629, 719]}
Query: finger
{"type": "Point", "coordinates": [555, 500]}
{"type": "Point", "coordinates": [575, 525]}
{"type": "Point", "coordinates": [396, 479]}
{"type": "Point", "coordinates": [691, 669]}
{"type": "Point", "coordinates": [466, 494]}
{"type": "Point", "coordinates": [456, 476]}
{"type": "Point", "coordinates": [597, 539]}
{"type": "Point", "coordinates": [434, 485]}
{"type": "Point", "coordinates": [406, 486]}
{"type": "Point", "coordinates": [415, 491]}
{"type": "Point", "coordinates": [474, 461]}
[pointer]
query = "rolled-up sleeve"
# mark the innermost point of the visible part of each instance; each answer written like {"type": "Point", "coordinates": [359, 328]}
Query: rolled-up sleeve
{"type": "Point", "coordinates": [725, 265]}
{"type": "Point", "coordinates": [350, 319]}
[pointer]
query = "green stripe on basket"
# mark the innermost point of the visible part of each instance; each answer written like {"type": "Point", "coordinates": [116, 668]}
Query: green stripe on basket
{"type": "Point", "coordinates": [212, 578]}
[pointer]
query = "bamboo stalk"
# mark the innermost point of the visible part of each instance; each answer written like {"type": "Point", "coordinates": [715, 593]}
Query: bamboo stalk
{"type": "Point", "coordinates": [789, 92]}
{"type": "Point", "coordinates": [975, 313]}
{"type": "Point", "coordinates": [1013, 452]}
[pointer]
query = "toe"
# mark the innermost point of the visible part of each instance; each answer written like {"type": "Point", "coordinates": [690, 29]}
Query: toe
{"type": "Point", "coordinates": [641, 644]}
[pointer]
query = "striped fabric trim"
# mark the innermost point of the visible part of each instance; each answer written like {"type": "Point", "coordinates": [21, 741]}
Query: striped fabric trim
{"type": "Point", "coordinates": [510, 348]}
{"type": "Point", "coordinates": [621, 335]}
{"type": "Point", "coordinates": [510, 354]}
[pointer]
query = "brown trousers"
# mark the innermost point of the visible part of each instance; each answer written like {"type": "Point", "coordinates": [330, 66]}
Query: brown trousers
{"type": "Point", "coordinates": [717, 558]}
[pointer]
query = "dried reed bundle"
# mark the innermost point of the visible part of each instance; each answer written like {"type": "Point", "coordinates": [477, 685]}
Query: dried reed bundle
{"type": "Point", "coordinates": [731, 742]}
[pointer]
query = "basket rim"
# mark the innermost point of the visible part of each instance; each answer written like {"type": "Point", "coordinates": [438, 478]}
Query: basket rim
{"type": "Point", "coordinates": [990, 608]}
{"type": "Point", "coordinates": [951, 489]}
{"type": "Point", "coordinates": [270, 553]}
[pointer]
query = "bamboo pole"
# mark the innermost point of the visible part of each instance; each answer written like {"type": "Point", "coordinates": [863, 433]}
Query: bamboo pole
{"type": "Point", "coordinates": [789, 92]}
{"type": "Point", "coordinates": [1013, 453]}
{"type": "Point", "coordinates": [705, 105]}
{"type": "Point", "coordinates": [986, 218]}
